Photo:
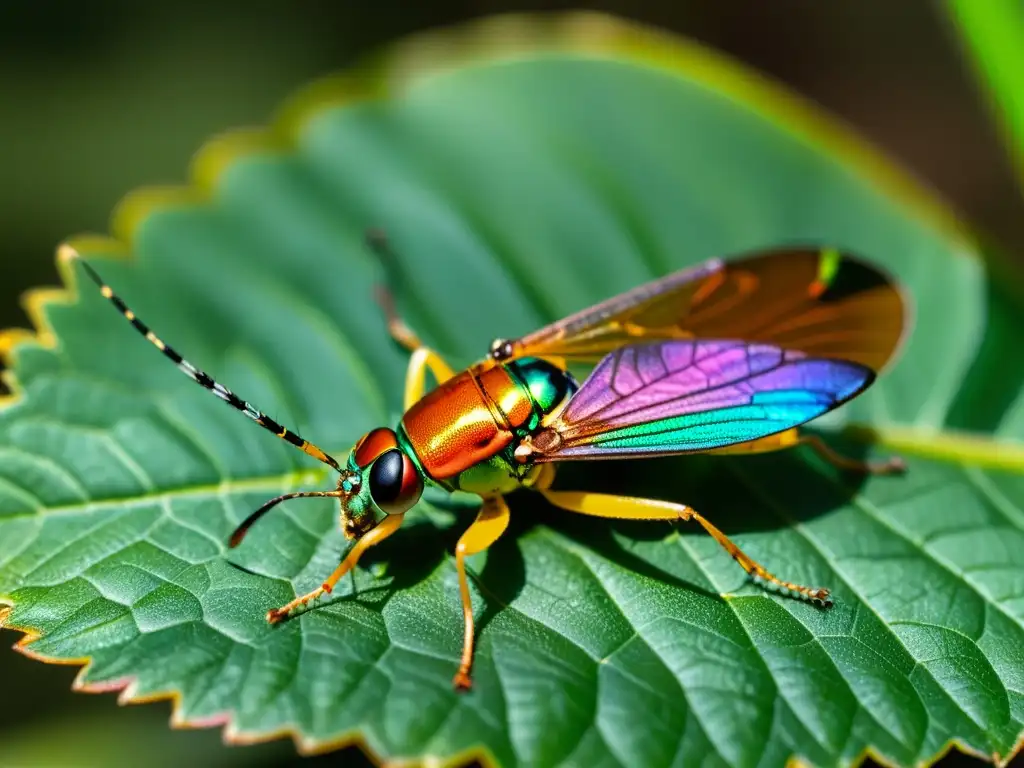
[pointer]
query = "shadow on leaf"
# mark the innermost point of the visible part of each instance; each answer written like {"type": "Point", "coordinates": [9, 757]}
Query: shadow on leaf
{"type": "Point", "coordinates": [737, 493]}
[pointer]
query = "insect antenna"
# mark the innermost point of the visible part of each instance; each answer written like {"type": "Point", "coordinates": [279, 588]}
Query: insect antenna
{"type": "Point", "coordinates": [68, 254]}
{"type": "Point", "coordinates": [243, 528]}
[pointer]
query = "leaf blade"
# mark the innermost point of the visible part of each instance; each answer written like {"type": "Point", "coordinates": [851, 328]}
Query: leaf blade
{"type": "Point", "coordinates": [143, 580]}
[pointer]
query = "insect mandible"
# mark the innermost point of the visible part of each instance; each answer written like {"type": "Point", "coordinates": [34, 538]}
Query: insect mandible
{"type": "Point", "coordinates": [724, 357]}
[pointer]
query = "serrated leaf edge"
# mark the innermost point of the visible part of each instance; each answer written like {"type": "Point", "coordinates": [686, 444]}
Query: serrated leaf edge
{"type": "Point", "coordinates": [418, 58]}
{"type": "Point", "coordinates": [125, 688]}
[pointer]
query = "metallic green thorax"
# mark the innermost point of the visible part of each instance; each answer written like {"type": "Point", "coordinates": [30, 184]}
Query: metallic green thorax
{"type": "Point", "coordinates": [548, 386]}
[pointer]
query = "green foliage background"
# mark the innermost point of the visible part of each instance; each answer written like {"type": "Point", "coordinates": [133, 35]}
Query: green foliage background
{"type": "Point", "coordinates": [993, 33]}
{"type": "Point", "coordinates": [404, 178]}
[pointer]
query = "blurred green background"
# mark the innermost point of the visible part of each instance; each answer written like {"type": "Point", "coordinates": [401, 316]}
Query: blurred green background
{"type": "Point", "coordinates": [99, 98]}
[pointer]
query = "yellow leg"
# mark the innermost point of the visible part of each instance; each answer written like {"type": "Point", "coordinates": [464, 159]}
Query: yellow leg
{"type": "Point", "coordinates": [544, 478]}
{"type": "Point", "coordinates": [397, 327]}
{"type": "Point", "coordinates": [422, 357]}
{"type": "Point", "coordinates": [384, 528]}
{"type": "Point", "coordinates": [421, 360]}
{"type": "Point", "coordinates": [628, 508]}
{"type": "Point", "coordinates": [378, 241]}
{"type": "Point", "coordinates": [774, 442]}
{"type": "Point", "coordinates": [485, 530]}
{"type": "Point", "coordinates": [791, 437]}
{"type": "Point", "coordinates": [894, 465]}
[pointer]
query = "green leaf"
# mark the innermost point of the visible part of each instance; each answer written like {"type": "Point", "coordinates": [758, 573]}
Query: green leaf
{"type": "Point", "coordinates": [993, 34]}
{"type": "Point", "coordinates": [541, 165]}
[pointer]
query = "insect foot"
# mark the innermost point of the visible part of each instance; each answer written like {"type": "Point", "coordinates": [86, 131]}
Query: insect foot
{"type": "Point", "coordinates": [894, 466]}
{"type": "Point", "coordinates": [462, 681]}
{"type": "Point", "coordinates": [820, 595]}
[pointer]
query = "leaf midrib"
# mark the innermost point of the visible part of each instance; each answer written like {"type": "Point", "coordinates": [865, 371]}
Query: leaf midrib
{"type": "Point", "coordinates": [315, 475]}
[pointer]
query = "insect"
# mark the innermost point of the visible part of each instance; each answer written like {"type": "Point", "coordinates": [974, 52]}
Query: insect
{"type": "Point", "coordinates": [725, 357]}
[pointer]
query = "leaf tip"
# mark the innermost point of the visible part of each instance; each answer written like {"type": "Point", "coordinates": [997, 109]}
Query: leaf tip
{"type": "Point", "coordinates": [66, 253]}
{"type": "Point", "coordinates": [35, 301]}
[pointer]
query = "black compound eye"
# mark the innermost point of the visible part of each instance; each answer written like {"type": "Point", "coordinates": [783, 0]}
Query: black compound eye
{"type": "Point", "coordinates": [395, 484]}
{"type": "Point", "coordinates": [386, 477]}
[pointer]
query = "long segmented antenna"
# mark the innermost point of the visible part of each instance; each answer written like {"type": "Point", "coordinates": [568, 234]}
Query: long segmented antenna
{"type": "Point", "coordinates": [245, 525]}
{"type": "Point", "coordinates": [68, 254]}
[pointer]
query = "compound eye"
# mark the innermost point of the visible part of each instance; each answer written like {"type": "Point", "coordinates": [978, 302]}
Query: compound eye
{"type": "Point", "coordinates": [373, 444]}
{"type": "Point", "coordinates": [395, 484]}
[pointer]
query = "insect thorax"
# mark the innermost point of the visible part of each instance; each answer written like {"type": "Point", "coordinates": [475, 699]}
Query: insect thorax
{"type": "Point", "coordinates": [464, 433]}
{"type": "Point", "coordinates": [549, 386]}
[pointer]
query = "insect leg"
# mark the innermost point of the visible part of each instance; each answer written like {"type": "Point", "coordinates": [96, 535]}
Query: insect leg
{"type": "Point", "coordinates": [400, 331]}
{"type": "Point", "coordinates": [894, 465]}
{"type": "Point", "coordinates": [385, 528]}
{"type": "Point", "coordinates": [416, 374]}
{"type": "Point", "coordinates": [776, 442]}
{"type": "Point", "coordinates": [397, 327]}
{"type": "Point", "coordinates": [485, 530]}
{"type": "Point", "coordinates": [629, 508]}
{"type": "Point", "coordinates": [422, 358]}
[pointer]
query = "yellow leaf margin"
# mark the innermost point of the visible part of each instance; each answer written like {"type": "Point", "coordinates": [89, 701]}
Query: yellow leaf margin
{"type": "Point", "coordinates": [494, 39]}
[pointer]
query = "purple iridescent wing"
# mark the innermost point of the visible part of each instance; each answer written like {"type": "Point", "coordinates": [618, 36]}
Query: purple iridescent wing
{"type": "Point", "coordinates": [687, 396]}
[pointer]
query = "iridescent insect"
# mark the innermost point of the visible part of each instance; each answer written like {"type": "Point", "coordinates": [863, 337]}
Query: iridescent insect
{"type": "Point", "coordinates": [725, 357]}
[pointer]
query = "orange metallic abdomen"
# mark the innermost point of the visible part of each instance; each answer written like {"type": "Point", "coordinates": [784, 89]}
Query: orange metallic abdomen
{"type": "Point", "coordinates": [466, 420]}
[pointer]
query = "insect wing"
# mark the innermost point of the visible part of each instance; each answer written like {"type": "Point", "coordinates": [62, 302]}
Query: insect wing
{"type": "Point", "coordinates": [687, 396]}
{"type": "Point", "coordinates": [822, 303]}
{"type": "Point", "coordinates": [652, 310]}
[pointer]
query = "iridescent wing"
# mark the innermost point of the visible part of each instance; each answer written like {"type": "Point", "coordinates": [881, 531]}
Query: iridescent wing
{"type": "Point", "coordinates": [698, 395]}
{"type": "Point", "coordinates": [822, 303]}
